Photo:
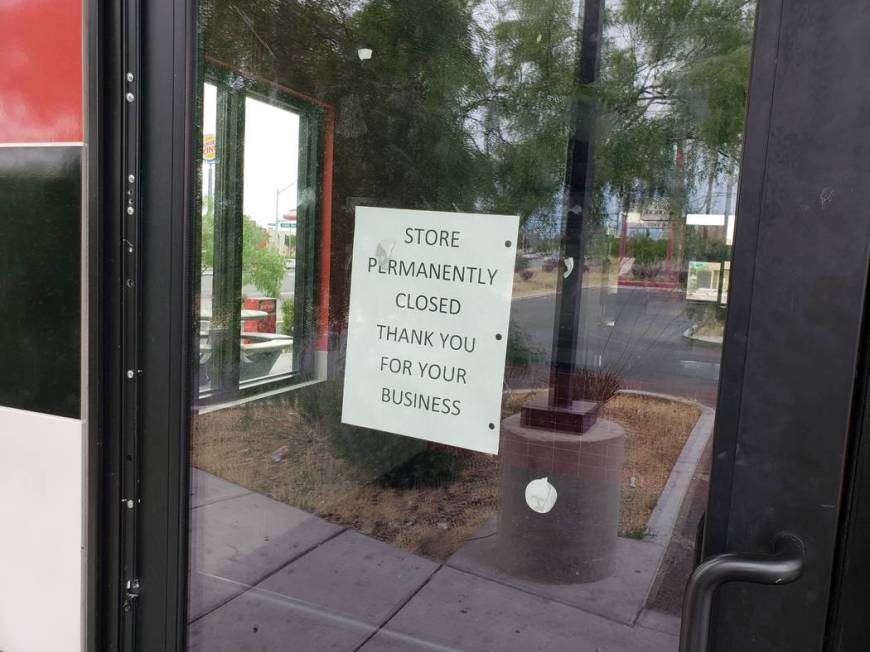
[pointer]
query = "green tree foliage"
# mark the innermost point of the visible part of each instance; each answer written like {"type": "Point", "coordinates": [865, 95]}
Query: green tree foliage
{"type": "Point", "coordinates": [407, 116]}
{"type": "Point", "coordinates": [647, 250]}
{"type": "Point", "coordinates": [672, 90]}
{"type": "Point", "coordinates": [262, 265]}
{"type": "Point", "coordinates": [206, 259]}
{"type": "Point", "coordinates": [527, 120]}
{"type": "Point", "coordinates": [467, 105]}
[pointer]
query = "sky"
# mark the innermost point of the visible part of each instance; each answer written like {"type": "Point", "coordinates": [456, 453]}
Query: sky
{"type": "Point", "coordinates": [271, 156]}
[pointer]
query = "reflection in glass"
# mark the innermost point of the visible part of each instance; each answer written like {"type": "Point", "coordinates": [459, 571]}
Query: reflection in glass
{"type": "Point", "coordinates": [614, 132]}
{"type": "Point", "coordinates": [260, 195]}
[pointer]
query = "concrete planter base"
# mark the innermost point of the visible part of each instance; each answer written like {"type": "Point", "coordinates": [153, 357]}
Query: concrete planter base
{"type": "Point", "coordinates": [575, 541]}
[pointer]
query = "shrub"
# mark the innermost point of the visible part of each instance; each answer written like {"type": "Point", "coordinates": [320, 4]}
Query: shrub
{"type": "Point", "coordinates": [287, 313]}
{"type": "Point", "coordinates": [646, 270]}
{"type": "Point", "coordinates": [594, 385]}
{"type": "Point", "coordinates": [520, 352]}
{"type": "Point", "coordinates": [526, 274]}
{"type": "Point", "coordinates": [705, 313]}
{"type": "Point", "coordinates": [648, 250]}
{"type": "Point", "coordinates": [393, 460]}
{"type": "Point", "coordinates": [435, 465]}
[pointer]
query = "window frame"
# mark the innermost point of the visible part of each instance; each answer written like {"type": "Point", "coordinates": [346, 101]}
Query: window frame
{"type": "Point", "coordinates": [310, 336]}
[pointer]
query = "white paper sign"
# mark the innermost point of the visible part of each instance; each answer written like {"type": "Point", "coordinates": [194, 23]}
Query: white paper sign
{"type": "Point", "coordinates": [429, 312]}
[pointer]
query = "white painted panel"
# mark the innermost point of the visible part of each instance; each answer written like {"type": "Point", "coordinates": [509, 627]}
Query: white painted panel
{"type": "Point", "coordinates": [41, 552]}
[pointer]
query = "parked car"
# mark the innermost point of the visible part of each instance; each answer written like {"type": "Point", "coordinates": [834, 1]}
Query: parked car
{"type": "Point", "coordinates": [550, 264]}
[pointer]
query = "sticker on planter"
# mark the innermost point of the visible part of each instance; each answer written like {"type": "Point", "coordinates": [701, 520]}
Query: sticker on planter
{"type": "Point", "coordinates": [430, 302]}
{"type": "Point", "coordinates": [541, 495]}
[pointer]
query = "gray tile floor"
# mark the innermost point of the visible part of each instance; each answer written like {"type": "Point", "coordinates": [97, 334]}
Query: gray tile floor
{"type": "Point", "coordinates": [268, 577]}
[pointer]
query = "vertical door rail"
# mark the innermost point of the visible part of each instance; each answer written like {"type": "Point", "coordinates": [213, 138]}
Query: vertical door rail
{"type": "Point", "coordinates": [131, 315]}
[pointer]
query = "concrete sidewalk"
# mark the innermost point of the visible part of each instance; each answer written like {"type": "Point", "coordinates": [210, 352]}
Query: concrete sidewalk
{"type": "Point", "coordinates": [268, 577]}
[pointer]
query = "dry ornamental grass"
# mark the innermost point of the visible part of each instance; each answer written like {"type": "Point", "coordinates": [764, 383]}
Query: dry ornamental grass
{"type": "Point", "coordinates": [239, 444]}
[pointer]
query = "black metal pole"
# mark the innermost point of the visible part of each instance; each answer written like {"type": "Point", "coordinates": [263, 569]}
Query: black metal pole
{"type": "Point", "coordinates": [578, 181]}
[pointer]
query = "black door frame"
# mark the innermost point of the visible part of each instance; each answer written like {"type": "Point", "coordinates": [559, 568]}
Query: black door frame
{"type": "Point", "coordinates": [146, 88]}
{"type": "Point", "coordinates": [794, 328]}
{"type": "Point", "coordinates": [145, 445]}
{"type": "Point", "coordinates": [849, 627]}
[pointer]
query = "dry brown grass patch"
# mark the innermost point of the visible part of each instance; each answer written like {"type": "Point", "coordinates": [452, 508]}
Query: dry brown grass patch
{"type": "Point", "coordinates": [655, 432]}
{"type": "Point", "coordinates": [237, 444]}
{"type": "Point", "coordinates": [543, 282]}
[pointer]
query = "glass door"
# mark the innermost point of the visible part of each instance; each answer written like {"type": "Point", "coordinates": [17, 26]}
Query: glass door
{"type": "Point", "coordinates": [488, 348]}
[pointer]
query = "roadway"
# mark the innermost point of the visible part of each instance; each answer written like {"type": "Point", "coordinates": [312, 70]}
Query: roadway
{"type": "Point", "coordinates": [636, 332]}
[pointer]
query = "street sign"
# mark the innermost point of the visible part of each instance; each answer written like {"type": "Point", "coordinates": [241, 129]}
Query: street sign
{"type": "Point", "coordinates": [209, 147]}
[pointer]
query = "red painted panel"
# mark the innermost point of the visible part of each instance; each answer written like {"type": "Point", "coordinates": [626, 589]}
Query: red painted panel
{"type": "Point", "coordinates": [40, 71]}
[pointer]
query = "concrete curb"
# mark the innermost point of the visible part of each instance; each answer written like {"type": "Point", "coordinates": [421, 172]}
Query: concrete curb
{"type": "Point", "coordinates": [534, 295]}
{"type": "Point", "coordinates": [661, 523]}
{"type": "Point", "coordinates": [700, 339]}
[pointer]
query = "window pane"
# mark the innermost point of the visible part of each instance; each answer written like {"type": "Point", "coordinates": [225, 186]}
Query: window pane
{"type": "Point", "coordinates": [501, 233]}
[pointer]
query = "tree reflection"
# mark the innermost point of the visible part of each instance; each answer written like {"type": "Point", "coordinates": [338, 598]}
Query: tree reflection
{"type": "Point", "coordinates": [467, 105]}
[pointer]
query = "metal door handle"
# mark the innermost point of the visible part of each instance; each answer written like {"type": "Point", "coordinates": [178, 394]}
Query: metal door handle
{"type": "Point", "coordinates": [783, 566]}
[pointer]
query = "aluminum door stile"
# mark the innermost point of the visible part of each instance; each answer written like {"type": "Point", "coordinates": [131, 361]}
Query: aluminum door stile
{"type": "Point", "coordinates": [148, 91]}
{"type": "Point", "coordinates": [116, 86]}
{"type": "Point", "coordinates": [794, 328]}
{"type": "Point", "coordinates": [168, 194]}
{"type": "Point", "coordinates": [132, 281]}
